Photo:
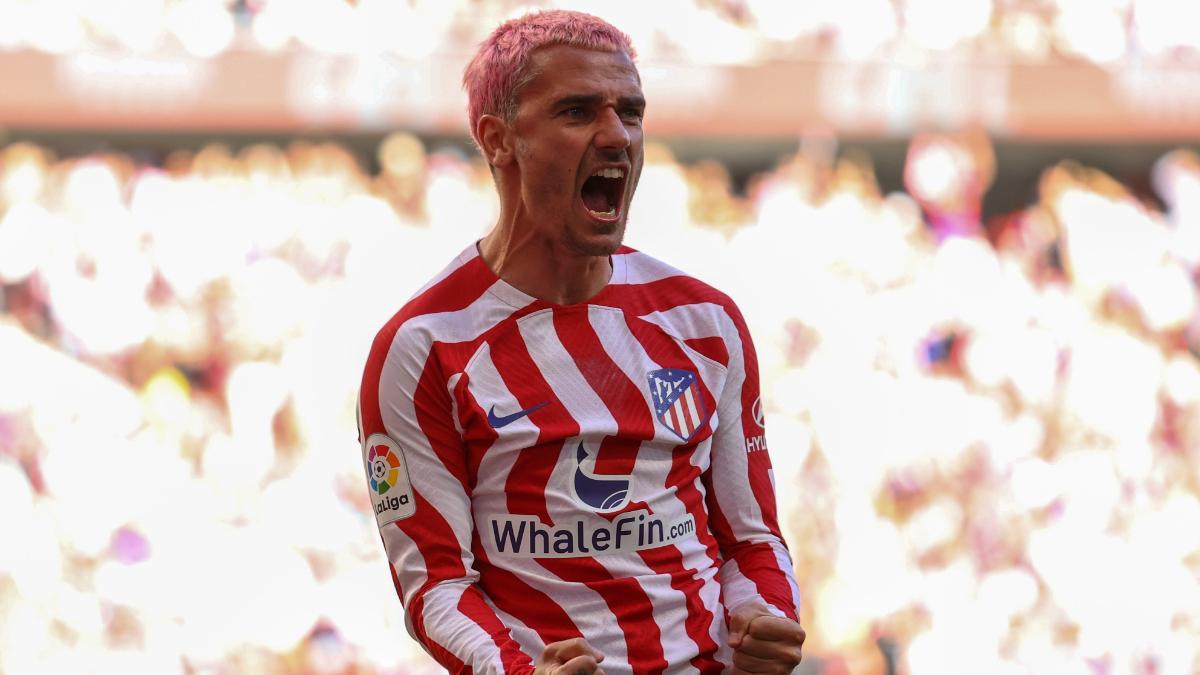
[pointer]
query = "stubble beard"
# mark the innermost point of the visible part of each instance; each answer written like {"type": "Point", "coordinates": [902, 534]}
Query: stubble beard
{"type": "Point", "coordinates": [613, 235]}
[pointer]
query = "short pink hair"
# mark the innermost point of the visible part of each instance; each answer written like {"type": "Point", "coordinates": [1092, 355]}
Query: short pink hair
{"type": "Point", "coordinates": [500, 69]}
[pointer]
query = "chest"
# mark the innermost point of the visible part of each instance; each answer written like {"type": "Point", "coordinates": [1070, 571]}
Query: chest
{"type": "Point", "coordinates": [590, 380]}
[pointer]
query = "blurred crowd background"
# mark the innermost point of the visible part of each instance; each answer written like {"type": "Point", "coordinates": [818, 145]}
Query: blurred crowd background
{"type": "Point", "coordinates": [1095, 30]}
{"type": "Point", "coordinates": [985, 422]}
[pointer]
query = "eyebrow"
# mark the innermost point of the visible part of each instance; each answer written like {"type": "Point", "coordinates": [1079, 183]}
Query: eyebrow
{"type": "Point", "coordinates": [595, 99]}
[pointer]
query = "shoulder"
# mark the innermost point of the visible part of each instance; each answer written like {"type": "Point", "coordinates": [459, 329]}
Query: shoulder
{"type": "Point", "coordinates": [435, 307]}
{"type": "Point", "coordinates": [671, 286]}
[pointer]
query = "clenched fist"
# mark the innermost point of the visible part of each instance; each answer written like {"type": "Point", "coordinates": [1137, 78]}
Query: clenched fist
{"type": "Point", "coordinates": [763, 642]}
{"type": "Point", "coordinates": [569, 657]}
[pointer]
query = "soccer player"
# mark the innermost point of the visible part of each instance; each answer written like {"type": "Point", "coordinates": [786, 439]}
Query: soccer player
{"type": "Point", "coordinates": [563, 436]}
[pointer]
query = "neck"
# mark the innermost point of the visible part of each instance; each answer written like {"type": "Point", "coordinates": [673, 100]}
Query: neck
{"type": "Point", "coordinates": [542, 267]}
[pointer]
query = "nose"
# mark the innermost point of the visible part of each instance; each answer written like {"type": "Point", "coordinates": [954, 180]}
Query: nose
{"type": "Point", "coordinates": [612, 134]}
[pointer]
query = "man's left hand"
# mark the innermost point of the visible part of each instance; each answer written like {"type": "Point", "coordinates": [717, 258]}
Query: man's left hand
{"type": "Point", "coordinates": [763, 642]}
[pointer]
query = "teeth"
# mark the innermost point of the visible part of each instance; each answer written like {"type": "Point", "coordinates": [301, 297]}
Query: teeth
{"type": "Point", "coordinates": [607, 214]}
{"type": "Point", "coordinates": [609, 173]}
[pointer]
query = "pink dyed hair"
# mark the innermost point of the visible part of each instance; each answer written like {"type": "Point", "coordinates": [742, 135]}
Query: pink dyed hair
{"type": "Point", "coordinates": [500, 69]}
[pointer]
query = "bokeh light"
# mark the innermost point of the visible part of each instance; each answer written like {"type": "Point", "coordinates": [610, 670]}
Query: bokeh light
{"type": "Point", "coordinates": [985, 443]}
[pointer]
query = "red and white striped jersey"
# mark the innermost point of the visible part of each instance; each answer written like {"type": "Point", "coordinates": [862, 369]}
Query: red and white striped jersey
{"type": "Point", "coordinates": [541, 472]}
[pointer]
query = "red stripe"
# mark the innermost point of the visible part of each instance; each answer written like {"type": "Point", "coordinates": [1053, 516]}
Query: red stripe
{"type": "Point", "coordinates": [477, 437]}
{"type": "Point", "coordinates": [669, 293]}
{"type": "Point", "coordinates": [698, 620]}
{"type": "Point", "coordinates": [448, 660]}
{"type": "Point", "coordinates": [476, 608]}
{"type": "Point", "coordinates": [667, 354]}
{"type": "Point", "coordinates": [478, 434]}
{"type": "Point", "coordinates": [772, 582]}
{"type": "Point", "coordinates": [675, 424]}
{"type": "Point", "coordinates": [525, 487]}
{"type": "Point", "coordinates": [689, 403]}
{"type": "Point", "coordinates": [627, 406]}
{"type": "Point", "coordinates": [433, 409]}
{"type": "Point", "coordinates": [760, 462]}
{"type": "Point", "coordinates": [513, 595]}
{"type": "Point", "coordinates": [458, 290]}
{"type": "Point", "coordinates": [442, 552]}
{"type": "Point", "coordinates": [682, 290]}
{"type": "Point", "coordinates": [628, 602]}
{"type": "Point", "coordinates": [758, 563]}
{"type": "Point", "coordinates": [683, 477]}
{"type": "Point", "coordinates": [622, 399]}
{"type": "Point", "coordinates": [435, 539]}
{"type": "Point", "coordinates": [712, 347]}
{"type": "Point", "coordinates": [444, 656]}
{"type": "Point", "coordinates": [668, 559]}
{"type": "Point", "coordinates": [621, 396]}
{"type": "Point", "coordinates": [688, 424]}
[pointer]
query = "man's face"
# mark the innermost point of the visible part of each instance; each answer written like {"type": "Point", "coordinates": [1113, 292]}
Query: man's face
{"type": "Point", "coordinates": [578, 142]}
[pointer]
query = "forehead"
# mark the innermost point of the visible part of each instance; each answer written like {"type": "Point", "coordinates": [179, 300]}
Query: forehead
{"type": "Point", "coordinates": [565, 70]}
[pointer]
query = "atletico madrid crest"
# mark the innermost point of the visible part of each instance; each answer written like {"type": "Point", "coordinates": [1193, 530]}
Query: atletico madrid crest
{"type": "Point", "coordinates": [677, 401]}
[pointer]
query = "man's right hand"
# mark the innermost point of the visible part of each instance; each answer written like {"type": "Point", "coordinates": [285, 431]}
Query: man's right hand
{"type": "Point", "coordinates": [569, 657]}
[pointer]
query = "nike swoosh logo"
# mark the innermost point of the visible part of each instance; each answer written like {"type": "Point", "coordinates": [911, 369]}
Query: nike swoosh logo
{"type": "Point", "coordinates": [498, 421]}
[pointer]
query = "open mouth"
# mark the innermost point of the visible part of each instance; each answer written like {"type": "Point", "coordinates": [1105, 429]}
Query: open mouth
{"type": "Point", "coordinates": [602, 193]}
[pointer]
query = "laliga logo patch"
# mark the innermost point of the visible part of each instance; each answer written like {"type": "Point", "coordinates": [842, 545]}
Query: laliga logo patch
{"type": "Point", "coordinates": [392, 498]}
{"type": "Point", "coordinates": [605, 494]}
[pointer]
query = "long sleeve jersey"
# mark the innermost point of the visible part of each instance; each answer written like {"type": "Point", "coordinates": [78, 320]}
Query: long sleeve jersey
{"type": "Point", "coordinates": [540, 472]}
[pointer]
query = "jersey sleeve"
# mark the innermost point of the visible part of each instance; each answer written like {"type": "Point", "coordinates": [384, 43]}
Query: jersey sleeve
{"type": "Point", "coordinates": [416, 477]}
{"type": "Point", "coordinates": [755, 564]}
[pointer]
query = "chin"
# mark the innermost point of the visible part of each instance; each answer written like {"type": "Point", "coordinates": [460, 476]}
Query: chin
{"type": "Point", "coordinates": [598, 243]}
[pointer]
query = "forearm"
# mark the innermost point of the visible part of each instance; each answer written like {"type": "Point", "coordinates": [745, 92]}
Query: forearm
{"type": "Point", "coordinates": [741, 490]}
{"type": "Point", "coordinates": [414, 460]}
{"type": "Point", "coordinates": [455, 624]}
{"type": "Point", "coordinates": [760, 572]}
{"type": "Point", "coordinates": [446, 610]}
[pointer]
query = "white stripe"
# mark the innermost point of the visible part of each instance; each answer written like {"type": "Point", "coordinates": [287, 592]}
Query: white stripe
{"type": "Point", "coordinates": [785, 564]}
{"type": "Point", "coordinates": [487, 387]}
{"type": "Point", "coordinates": [587, 608]}
{"type": "Point", "coordinates": [738, 587]}
{"type": "Point", "coordinates": [650, 479]}
{"type": "Point", "coordinates": [680, 420]}
{"type": "Point", "coordinates": [693, 406]}
{"type": "Point", "coordinates": [642, 269]}
{"type": "Point", "coordinates": [490, 498]}
{"type": "Point", "coordinates": [559, 370]}
{"type": "Point", "coordinates": [670, 614]}
{"type": "Point", "coordinates": [685, 401]}
{"type": "Point", "coordinates": [741, 508]}
{"type": "Point", "coordinates": [699, 320]}
{"type": "Point", "coordinates": [460, 325]}
{"type": "Point", "coordinates": [429, 476]}
{"type": "Point", "coordinates": [398, 378]}
{"type": "Point", "coordinates": [451, 383]}
{"type": "Point", "coordinates": [718, 632]}
{"type": "Point", "coordinates": [408, 564]}
{"type": "Point", "coordinates": [525, 636]}
{"type": "Point", "coordinates": [470, 640]}
{"type": "Point", "coordinates": [404, 363]}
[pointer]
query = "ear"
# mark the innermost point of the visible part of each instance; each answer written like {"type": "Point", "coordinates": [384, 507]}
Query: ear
{"type": "Point", "coordinates": [495, 140]}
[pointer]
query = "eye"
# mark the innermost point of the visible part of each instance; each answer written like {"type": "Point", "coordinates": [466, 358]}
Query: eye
{"type": "Point", "coordinates": [575, 112]}
{"type": "Point", "coordinates": [633, 114]}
